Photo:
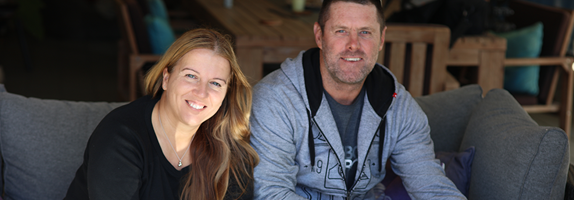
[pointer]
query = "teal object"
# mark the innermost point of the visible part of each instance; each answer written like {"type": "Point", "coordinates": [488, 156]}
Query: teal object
{"type": "Point", "coordinates": [523, 43]}
{"type": "Point", "coordinates": [161, 35]}
{"type": "Point", "coordinates": [157, 8]}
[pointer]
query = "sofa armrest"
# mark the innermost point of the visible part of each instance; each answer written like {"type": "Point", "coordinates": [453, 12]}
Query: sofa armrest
{"type": "Point", "coordinates": [515, 158]}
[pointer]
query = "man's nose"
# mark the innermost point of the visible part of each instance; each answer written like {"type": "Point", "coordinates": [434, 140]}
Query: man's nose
{"type": "Point", "coordinates": [353, 42]}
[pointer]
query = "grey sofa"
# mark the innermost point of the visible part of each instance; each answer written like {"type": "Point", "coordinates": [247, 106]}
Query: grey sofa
{"type": "Point", "coordinates": [42, 143]}
{"type": "Point", "coordinates": [514, 159]}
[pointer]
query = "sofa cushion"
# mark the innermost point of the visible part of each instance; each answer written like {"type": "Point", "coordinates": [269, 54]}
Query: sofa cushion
{"type": "Point", "coordinates": [42, 143]}
{"type": "Point", "coordinates": [515, 158]}
{"type": "Point", "coordinates": [448, 113]}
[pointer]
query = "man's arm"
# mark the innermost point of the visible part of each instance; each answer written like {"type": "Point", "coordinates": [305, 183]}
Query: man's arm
{"type": "Point", "coordinates": [273, 139]}
{"type": "Point", "coordinates": [413, 157]}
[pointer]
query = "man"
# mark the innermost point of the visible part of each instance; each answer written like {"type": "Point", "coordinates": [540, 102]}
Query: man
{"type": "Point", "coordinates": [326, 123]}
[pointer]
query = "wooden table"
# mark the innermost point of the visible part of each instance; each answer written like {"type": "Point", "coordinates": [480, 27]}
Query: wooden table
{"type": "Point", "coordinates": [255, 41]}
{"type": "Point", "coordinates": [487, 53]}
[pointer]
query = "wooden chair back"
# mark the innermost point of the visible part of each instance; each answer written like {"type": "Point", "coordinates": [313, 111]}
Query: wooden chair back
{"type": "Point", "coordinates": [126, 29]}
{"type": "Point", "coordinates": [134, 49]}
{"type": "Point", "coordinates": [558, 24]}
{"type": "Point", "coordinates": [417, 55]}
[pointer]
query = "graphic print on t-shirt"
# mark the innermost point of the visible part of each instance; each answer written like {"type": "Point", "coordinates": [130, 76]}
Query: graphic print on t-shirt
{"type": "Point", "coordinates": [350, 156]}
{"type": "Point", "coordinates": [347, 118]}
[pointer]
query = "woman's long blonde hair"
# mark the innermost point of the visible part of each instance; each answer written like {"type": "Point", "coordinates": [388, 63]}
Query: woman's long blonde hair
{"type": "Point", "coordinates": [220, 147]}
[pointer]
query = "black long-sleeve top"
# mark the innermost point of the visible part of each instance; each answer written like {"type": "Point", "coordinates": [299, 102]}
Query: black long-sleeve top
{"type": "Point", "coordinates": [123, 160]}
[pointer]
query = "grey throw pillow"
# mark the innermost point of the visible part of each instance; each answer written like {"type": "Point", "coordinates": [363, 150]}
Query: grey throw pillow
{"type": "Point", "coordinates": [448, 114]}
{"type": "Point", "coordinates": [42, 143]}
{"type": "Point", "coordinates": [515, 158]}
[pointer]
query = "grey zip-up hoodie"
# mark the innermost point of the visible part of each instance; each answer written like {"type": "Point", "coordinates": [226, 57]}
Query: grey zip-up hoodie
{"type": "Point", "coordinates": [300, 148]}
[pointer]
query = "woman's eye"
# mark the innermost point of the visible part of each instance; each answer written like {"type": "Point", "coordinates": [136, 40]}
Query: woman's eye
{"type": "Point", "coordinates": [216, 84]}
{"type": "Point", "coordinates": [191, 76]}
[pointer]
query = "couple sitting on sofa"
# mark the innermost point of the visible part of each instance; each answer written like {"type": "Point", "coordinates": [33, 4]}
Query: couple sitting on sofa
{"type": "Point", "coordinates": [331, 123]}
{"type": "Point", "coordinates": [332, 110]}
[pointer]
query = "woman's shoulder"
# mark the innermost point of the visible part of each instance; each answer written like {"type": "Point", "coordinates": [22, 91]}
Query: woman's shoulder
{"type": "Point", "coordinates": [137, 106]}
{"type": "Point", "coordinates": [132, 112]}
{"type": "Point", "coordinates": [130, 120]}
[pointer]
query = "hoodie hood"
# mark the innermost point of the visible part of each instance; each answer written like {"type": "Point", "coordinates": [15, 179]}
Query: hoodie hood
{"type": "Point", "coordinates": [379, 84]}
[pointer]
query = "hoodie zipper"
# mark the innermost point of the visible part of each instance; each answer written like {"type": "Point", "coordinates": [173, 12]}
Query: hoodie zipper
{"type": "Point", "coordinates": [348, 196]}
{"type": "Point", "coordinates": [371, 145]}
{"type": "Point", "coordinates": [367, 155]}
{"type": "Point", "coordinates": [362, 167]}
{"type": "Point", "coordinates": [331, 146]}
{"type": "Point", "coordinates": [368, 151]}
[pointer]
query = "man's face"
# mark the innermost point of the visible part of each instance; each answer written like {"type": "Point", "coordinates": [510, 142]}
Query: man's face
{"type": "Point", "coordinates": [350, 42]}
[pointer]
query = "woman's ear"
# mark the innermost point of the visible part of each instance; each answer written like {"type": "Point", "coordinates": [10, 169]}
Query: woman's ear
{"type": "Point", "coordinates": [165, 77]}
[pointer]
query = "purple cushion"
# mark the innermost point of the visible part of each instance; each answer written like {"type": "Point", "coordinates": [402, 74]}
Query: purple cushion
{"type": "Point", "coordinates": [457, 169]}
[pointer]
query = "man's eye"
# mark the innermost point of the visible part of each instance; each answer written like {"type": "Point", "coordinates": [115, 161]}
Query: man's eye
{"type": "Point", "coordinates": [364, 32]}
{"type": "Point", "coordinates": [340, 31]}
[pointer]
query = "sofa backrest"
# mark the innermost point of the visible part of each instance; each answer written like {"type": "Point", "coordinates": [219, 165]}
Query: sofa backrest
{"type": "Point", "coordinates": [42, 143]}
{"type": "Point", "coordinates": [448, 114]}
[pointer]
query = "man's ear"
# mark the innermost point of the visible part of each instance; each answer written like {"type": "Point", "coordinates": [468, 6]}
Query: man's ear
{"type": "Point", "coordinates": [382, 38]}
{"type": "Point", "coordinates": [165, 76]}
{"type": "Point", "coordinates": [318, 35]}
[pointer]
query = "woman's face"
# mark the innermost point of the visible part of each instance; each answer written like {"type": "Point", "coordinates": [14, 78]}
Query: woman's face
{"type": "Point", "coordinates": [196, 87]}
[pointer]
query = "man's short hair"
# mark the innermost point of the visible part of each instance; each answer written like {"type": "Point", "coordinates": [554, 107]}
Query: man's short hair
{"type": "Point", "coordinates": [324, 13]}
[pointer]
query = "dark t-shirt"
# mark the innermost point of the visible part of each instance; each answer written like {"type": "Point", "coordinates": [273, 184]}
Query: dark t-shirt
{"type": "Point", "coordinates": [123, 160]}
{"type": "Point", "coordinates": [347, 118]}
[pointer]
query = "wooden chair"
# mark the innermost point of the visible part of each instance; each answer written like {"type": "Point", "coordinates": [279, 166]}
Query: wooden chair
{"type": "Point", "coordinates": [417, 55]}
{"type": "Point", "coordinates": [558, 24]}
{"type": "Point", "coordinates": [134, 49]}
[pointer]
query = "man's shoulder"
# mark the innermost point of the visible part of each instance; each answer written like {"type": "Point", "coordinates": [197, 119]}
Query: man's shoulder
{"type": "Point", "coordinates": [288, 77]}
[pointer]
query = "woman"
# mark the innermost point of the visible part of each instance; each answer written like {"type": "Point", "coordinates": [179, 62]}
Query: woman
{"type": "Point", "coordinates": [187, 139]}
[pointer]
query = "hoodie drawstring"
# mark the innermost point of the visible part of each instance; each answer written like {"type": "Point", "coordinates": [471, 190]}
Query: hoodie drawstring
{"type": "Point", "coordinates": [381, 142]}
{"type": "Point", "coordinates": [311, 143]}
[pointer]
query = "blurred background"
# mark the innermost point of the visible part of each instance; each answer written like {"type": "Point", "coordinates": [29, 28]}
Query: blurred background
{"type": "Point", "coordinates": [68, 49]}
